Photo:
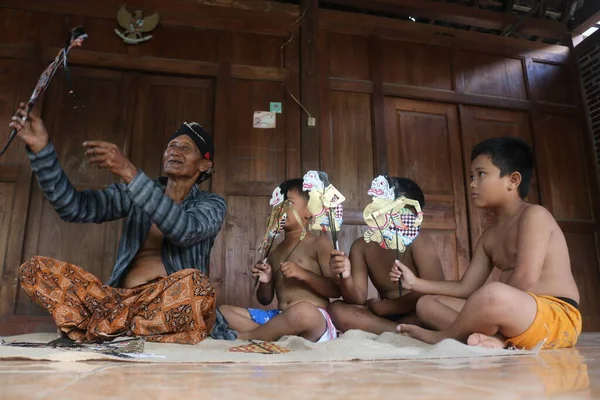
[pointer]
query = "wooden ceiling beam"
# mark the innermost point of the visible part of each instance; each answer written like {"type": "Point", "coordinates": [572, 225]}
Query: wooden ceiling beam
{"type": "Point", "coordinates": [460, 15]}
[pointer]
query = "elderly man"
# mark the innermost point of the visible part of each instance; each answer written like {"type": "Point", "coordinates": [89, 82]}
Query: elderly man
{"type": "Point", "coordinates": [158, 289]}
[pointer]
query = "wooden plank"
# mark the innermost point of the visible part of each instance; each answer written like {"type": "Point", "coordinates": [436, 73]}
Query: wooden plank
{"type": "Point", "coordinates": [491, 75]}
{"type": "Point", "coordinates": [123, 61]}
{"type": "Point", "coordinates": [346, 85]}
{"type": "Point", "coordinates": [577, 226]}
{"type": "Point", "coordinates": [253, 188]}
{"type": "Point", "coordinates": [18, 213]}
{"type": "Point", "coordinates": [258, 50]}
{"type": "Point", "coordinates": [349, 56]}
{"type": "Point", "coordinates": [292, 112]}
{"type": "Point", "coordinates": [221, 130]}
{"type": "Point", "coordinates": [17, 50]}
{"type": "Point", "coordinates": [309, 85]}
{"type": "Point", "coordinates": [365, 25]}
{"type": "Point", "coordinates": [326, 117]}
{"type": "Point", "coordinates": [176, 13]}
{"type": "Point", "coordinates": [415, 64]}
{"type": "Point", "coordinates": [254, 154]}
{"type": "Point", "coordinates": [586, 271]}
{"type": "Point", "coordinates": [9, 173]}
{"type": "Point", "coordinates": [565, 162]}
{"type": "Point", "coordinates": [431, 130]}
{"type": "Point", "coordinates": [454, 97]}
{"type": "Point", "coordinates": [377, 106]}
{"type": "Point", "coordinates": [349, 159]}
{"type": "Point", "coordinates": [460, 15]}
{"type": "Point", "coordinates": [257, 73]}
{"type": "Point", "coordinates": [550, 82]}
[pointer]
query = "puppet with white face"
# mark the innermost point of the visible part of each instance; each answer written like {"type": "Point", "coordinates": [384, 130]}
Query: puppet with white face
{"type": "Point", "coordinates": [276, 219]}
{"type": "Point", "coordinates": [325, 202]}
{"type": "Point", "coordinates": [394, 222]}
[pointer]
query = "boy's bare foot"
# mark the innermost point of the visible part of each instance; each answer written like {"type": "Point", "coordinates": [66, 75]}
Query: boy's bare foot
{"type": "Point", "coordinates": [424, 335]}
{"type": "Point", "coordinates": [488, 342]}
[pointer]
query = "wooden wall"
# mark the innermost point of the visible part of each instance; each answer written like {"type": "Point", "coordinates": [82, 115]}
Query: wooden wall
{"type": "Point", "coordinates": [389, 96]}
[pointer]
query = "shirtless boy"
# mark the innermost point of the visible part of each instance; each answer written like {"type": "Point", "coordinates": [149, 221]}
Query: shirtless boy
{"type": "Point", "coordinates": [298, 272]}
{"type": "Point", "coordinates": [371, 260]}
{"type": "Point", "coordinates": [536, 298]}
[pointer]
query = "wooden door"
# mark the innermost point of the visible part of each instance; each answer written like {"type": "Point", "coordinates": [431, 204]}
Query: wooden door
{"type": "Point", "coordinates": [163, 103]}
{"type": "Point", "coordinates": [347, 156]}
{"type": "Point", "coordinates": [423, 143]}
{"type": "Point", "coordinates": [104, 96]}
{"type": "Point", "coordinates": [17, 77]}
{"type": "Point", "coordinates": [251, 162]}
{"type": "Point", "coordinates": [567, 195]}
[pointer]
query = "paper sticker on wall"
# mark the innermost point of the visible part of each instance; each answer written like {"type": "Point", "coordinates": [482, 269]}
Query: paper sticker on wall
{"type": "Point", "coordinates": [276, 107]}
{"type": "Point", "coordinates": [264, 119]}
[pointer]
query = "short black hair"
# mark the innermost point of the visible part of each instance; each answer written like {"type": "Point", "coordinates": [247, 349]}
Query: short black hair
{"type": "Point", "coordinates": [293, 185]}
{"type": "Point", "coordinates": [407, 188]}
{"type": "Point", "coordinates": [510, 155]}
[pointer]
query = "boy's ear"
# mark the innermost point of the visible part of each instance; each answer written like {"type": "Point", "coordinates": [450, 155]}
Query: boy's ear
{"type": "Point", "coordinates": [514, 180]}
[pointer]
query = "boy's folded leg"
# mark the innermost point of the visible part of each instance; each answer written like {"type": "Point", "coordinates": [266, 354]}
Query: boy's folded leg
{"type": "Point", "coordinates": [438, 312]}
{"type": "Point", "coordinates": [350, 316]}
{"type": "Point", "coordinates": [239, 318]}
{"type": "Point", "coordinates": [302, 319]}
{"type": "Point", "coordinates": [557, 322]}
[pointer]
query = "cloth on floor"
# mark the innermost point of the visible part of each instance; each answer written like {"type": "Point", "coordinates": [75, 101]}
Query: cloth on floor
{"type": "Point", "coordinates": [177, 309]}
{"type": "Point", "coordinates": [351, 346]}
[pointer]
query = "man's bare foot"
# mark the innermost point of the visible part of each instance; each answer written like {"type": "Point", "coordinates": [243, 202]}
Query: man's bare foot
{"type": "Point", "coordinates": [488, 342]}
{"type": "Point", "coordinates": [421, 334]}
{"type": "Point", "coordinates": [244, 336]}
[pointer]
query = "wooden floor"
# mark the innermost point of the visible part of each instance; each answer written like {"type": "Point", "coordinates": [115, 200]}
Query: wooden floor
{"type": "Point", "coordinates": [569, 373]}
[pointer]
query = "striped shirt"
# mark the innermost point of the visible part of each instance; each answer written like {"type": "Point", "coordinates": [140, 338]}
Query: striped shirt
{"type": "Point", "coordinates": [189, 228]}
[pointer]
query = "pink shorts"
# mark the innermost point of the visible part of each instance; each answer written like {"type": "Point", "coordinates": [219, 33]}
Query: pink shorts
{"type": "Point", "coordinates": [330, 332]}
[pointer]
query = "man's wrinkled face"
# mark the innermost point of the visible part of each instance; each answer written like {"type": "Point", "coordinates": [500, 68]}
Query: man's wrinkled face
{"type": "Point", "coordinates": [182, 159]}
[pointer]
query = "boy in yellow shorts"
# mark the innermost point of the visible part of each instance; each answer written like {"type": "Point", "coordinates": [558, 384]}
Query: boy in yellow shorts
{"type": "Point", "coordinates": [536, 299]}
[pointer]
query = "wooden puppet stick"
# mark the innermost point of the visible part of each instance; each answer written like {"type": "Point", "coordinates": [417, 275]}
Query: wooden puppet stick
{"type": "Point", "coordinates": [336, 245]}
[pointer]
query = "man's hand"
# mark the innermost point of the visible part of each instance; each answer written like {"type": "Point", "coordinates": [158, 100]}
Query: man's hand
{"type": "Point", "coordinates": [109, 156]}
{"type": "Point", "coordinates": [401, 272]}
{"type": "Point", "coordinates": [263, 272]}
{"type": "Point", "coordinates": [339, 263]}
{"type": "Point", "coordinates": [31, 129]}
{"type": "Point", "coordinates": [290, 269]}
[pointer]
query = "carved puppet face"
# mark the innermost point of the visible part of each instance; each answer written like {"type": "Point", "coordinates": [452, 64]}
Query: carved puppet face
{"type": "Point", "coordinates": [394, 223]}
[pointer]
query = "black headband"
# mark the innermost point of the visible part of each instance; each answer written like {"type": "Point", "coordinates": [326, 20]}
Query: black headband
{"type": "Point", "coordinates": [201, 138]}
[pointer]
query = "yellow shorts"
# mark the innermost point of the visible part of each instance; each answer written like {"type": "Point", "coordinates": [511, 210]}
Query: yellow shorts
{"type": "Point", "coordinates": [556, 321]}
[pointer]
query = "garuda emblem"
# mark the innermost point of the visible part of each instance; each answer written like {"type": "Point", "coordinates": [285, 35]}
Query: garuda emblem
{"type": "Point", "coordinates": [135, 25]}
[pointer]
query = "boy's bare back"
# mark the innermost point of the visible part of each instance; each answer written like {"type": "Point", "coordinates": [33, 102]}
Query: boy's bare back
{"type": "Point", "coordinates": [516, 242]}
{"type": "Point", "coordinates": [306, 255]}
